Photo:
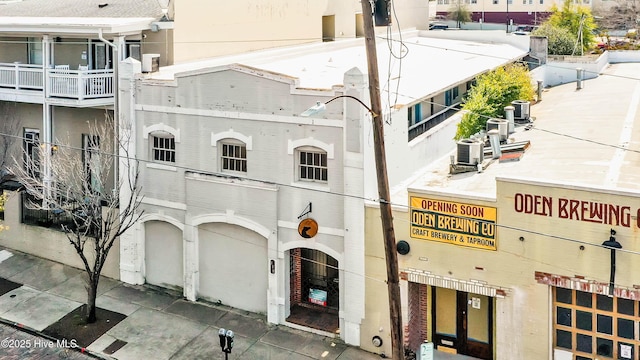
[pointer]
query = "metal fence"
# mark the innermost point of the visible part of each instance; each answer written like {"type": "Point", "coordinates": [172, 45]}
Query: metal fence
{"type": "Point", "coordinates": [432, 121]}
{"type": "Point", "coordinates": [32, 213]}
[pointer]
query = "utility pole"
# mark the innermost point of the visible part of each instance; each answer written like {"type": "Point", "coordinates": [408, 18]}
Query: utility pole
{"type": "Point", "coordinates": [393, 280]}
{"type": "Point", "coordinates": [508, 20]}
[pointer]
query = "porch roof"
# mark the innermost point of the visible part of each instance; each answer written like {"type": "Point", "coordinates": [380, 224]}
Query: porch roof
{"type": "Point", "coordinates": [74, 25]}
{"type": "Point", "coordinates": [78, 16]}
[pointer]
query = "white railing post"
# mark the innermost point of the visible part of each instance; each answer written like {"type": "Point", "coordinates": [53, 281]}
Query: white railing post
{"type": "Point", "coordinates": [16, 70]}
{"type": "Point", "coordinates": [81, 88]}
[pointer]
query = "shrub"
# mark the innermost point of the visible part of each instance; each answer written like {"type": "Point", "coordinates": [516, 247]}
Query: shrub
{"type": "Point", "coordinates": [491, 93]}
{"type": "Point", "coordinates": [561, 41]}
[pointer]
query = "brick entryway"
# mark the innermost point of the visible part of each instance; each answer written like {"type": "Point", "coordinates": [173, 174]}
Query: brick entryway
{"type": "Point", "coordinates": [314, 284]}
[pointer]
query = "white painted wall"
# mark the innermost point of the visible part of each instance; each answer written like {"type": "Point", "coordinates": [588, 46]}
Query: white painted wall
{"type": "Point", "coordinates": [239, 223]}
{"type": "Point", "coordinates": [488, 36]}
{"type": "Point", "coordinates": [562, 70]}
{"type": "Point", "coordinates": [623, 56]}
{"type": "Point", "coordinates": [207, 29]}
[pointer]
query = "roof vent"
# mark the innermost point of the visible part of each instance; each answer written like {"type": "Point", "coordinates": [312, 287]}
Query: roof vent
{"type": "Point", "coordinates": [470, 152]}
{"type": "Point", "coordinates": [521, 111]}
{"type": "Point", "coordinates": [501, 125]}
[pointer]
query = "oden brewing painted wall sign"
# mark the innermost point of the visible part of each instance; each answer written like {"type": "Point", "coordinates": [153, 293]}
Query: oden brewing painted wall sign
{"type": "Point", "coordinates": [577, 209]}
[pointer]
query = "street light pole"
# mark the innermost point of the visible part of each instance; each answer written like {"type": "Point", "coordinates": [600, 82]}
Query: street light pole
{"type": "Point", "coordinates": [391, 257]}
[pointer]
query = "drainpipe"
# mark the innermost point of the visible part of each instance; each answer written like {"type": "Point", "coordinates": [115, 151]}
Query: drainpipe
{"type": "Point", "coordinates": [47, 122]}
{"type": "Point", "coordinates": [116, 107]}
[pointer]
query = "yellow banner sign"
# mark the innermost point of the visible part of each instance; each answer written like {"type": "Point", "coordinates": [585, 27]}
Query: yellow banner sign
{"type": "Point", "coordinates": [455, 223]}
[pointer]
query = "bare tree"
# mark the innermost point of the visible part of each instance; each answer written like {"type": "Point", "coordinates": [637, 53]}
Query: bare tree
{"type": "Point", "coordinates": [459, 12]}
{"type": "Point", "coordinates": [616, 15]}
{"type": "Point", "coordinates": [10, 125]}
{"type": "Point", "coordinates": [81, 194]}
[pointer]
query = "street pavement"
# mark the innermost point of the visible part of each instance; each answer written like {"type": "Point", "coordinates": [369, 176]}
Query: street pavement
{"type": "Point", "coordinates": [158, 324]}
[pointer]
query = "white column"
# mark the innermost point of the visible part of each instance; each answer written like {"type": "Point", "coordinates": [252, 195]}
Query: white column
{"type": "Point", "coordinates": [190, 260]}
{"type": "Point", "coordinates": [352, 283]}
{"type": "Point", "coordinates": [277, 275]}
{"type": "Point", "coordinates": [132, 241]}
{"type": "Point", "coordinates": [47, 120]}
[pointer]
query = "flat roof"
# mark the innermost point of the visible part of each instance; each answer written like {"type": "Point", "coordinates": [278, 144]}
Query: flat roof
{"type": "Point", "coordinates": [581, 138]}
{"type": "Point", "coordinates": [418, 67]}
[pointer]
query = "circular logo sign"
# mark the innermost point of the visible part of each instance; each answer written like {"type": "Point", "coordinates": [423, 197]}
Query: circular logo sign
{"type": "Point", "coordinates": [308, 228]}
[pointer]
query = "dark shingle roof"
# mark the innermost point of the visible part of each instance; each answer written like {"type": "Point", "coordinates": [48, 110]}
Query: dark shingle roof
{"type": "Point", "coordinates": [81, 8]}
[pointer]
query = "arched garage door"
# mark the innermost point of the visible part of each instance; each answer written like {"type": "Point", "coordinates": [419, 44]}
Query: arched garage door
{"type": "Point", "coordinates": [163, 255]}
{"type": "Point", "coordinates": [233, 266]}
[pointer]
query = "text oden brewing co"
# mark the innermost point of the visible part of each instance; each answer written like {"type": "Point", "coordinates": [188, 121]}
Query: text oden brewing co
{"type": "Point", "coordinates": [455, 223]}
{"type": "Point", "coordinates": [580, 210]}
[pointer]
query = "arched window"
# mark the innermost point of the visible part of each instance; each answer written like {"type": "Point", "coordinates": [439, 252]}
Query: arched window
{"type": "Point", "coordinates": [162, 142]}
{"type": "Point", "coordinates": [312, 164]}
{"type": "Point", "coordinates": [233, 155]}
{"type": "Point", "coordinates": [163, 147]}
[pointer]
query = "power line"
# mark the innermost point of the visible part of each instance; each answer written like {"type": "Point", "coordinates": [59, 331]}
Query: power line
{"type": "Point", "coordinates": [387, 39]}
{"type": "Point", "coordinates": [503, 58]}
{"type": "Point", "coordinates": [228, 176]}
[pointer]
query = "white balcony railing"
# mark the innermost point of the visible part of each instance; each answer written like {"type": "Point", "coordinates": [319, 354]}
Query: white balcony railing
{"type": "Point", "coordinates": [80, 84]}
{"type": "Point", "coordinates": [21, 76]}
{"type": "Point", "coordinates": [63, 83]}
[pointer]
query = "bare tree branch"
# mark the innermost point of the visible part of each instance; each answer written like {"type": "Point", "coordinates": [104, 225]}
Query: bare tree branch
{"type": "Point", "coordinates": [10, 128]}
{"type": "Point", "coordinates": [84, 194]}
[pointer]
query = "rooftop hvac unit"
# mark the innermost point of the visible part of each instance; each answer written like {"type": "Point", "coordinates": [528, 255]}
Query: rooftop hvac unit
{"type": "Point", "coordinates": [150, 62]}
{"type": "Point", "coordinates": [521, 109]}
{"type": "Point", "coordinates": [501, 125]}
{"type": "Point", "coordinates": [470, 152]}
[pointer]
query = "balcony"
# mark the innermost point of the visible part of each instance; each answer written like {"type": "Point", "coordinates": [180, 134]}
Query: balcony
{"type": "Point", "coordinates": [79, 88]}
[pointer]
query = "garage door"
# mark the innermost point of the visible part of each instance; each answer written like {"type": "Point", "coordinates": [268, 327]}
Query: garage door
{"type": "Point", "coordinates": [163, 255]}
{"type": "Point", "coordinates": [233, 266]}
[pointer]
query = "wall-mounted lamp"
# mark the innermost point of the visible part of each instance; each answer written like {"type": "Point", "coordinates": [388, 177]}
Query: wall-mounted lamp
{"type": "Point", "coordinates": [53, 148]}
{"type": "Point", "coordinates": [613, 245]}
{"type": "Point", "coordinates": [403, 247]}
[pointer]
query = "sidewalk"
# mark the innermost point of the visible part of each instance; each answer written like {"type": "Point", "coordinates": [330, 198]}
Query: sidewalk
{"type": "Point", "coordinates": [36, 293]}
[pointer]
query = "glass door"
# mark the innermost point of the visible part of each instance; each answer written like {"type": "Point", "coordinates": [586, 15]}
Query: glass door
{"type": "Point", "coordinates": [463, 323]}
{"type": "Point", "coordinates": [479, 323]}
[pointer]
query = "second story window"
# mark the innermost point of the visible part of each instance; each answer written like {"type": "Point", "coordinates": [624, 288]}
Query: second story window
{"type": "Point", "coordinates": [234, 156]}
{"type": "Point", "coordinates": [163, 148]}
{"type": "Point", "coordinates": [312, 165]}
{"type": "Point", "coordinates": [31, 148]}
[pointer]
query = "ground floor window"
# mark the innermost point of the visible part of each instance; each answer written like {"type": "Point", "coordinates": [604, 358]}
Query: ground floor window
{"type": "Point", "coordinates": [594, 326]}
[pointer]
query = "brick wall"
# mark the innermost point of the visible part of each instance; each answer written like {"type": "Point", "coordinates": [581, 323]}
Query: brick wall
{"type": "Point", "coordinates": [295, 277]}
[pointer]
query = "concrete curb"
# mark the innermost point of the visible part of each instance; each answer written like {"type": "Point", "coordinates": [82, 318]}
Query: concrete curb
{"type": "Point", "coordinates": [28, 330]}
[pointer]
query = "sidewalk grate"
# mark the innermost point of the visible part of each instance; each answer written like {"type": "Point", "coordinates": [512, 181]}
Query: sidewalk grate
{"type": "Point", "coordinates": [7, 285]}
{"type": "Point", "coordinates": [115, 346]}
